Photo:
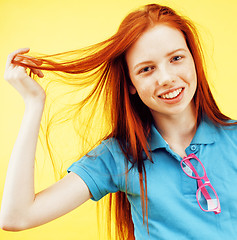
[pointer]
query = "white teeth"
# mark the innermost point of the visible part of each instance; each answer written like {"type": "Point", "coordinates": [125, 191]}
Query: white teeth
{"type": "Point", "coordinates": [172, 94]}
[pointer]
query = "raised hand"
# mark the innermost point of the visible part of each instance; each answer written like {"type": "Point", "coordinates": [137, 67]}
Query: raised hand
{"type": "Point", "coordinates": [17, 75]}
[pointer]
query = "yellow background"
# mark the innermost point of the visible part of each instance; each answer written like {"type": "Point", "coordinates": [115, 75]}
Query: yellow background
{"type": "Point", "coordinates": [51, 26]}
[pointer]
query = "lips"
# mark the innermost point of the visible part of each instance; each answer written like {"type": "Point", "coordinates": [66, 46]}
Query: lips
{"type": "Point", "coordinates": [171, 94]}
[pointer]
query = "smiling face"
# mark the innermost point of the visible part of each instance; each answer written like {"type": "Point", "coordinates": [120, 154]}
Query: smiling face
{"type": "Point", "coordinates": [162, 71]}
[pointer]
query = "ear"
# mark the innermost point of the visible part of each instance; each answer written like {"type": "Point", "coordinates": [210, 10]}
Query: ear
{"type": "Point", "coordinates": [132, 89]}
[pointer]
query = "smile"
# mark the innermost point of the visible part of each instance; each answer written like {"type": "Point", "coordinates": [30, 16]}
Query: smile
{"type": "Point", "coordinates": [171, 95]}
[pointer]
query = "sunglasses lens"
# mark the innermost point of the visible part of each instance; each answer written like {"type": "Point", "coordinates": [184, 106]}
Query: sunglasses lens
{"type": "Point", "coordinates": [193, 168]}
{"type": "Point", "coordinates": [207, 198]}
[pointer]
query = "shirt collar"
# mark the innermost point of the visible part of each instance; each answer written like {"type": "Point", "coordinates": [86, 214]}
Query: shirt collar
{"type": "Point", "coordinates": [205, 134]}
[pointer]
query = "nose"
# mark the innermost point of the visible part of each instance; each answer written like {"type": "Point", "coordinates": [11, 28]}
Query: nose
{"type": "Point", "coordinates": [165, 76]}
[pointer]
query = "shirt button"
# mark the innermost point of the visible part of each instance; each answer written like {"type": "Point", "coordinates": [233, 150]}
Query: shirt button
{"type": "Point", "coordinates": [193, 148]}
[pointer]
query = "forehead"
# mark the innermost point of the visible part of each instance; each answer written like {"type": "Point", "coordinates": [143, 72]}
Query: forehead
{"type": "Point", "coordinates": [156, 42]}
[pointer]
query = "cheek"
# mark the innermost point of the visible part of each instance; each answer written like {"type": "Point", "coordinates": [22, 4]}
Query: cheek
{"type": "Point", "coordinates": [193, 78]}
{"type": "Point", "coordinates": [188, 74]}
{"type": "Point", "coordinates": [144, 89]}
{"type": "Point", "coordinates": [141, 85]}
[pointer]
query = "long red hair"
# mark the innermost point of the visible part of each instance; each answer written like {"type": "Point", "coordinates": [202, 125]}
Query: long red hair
{"type": "Point", "coordinates": [130, 119]}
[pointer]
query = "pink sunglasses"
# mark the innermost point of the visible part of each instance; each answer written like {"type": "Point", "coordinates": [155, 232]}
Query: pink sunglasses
{"type": "Point", "coordinates": [206, 195]}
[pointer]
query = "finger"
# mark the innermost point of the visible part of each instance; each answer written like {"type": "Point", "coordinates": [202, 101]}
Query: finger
{"type": "Point", "coordinates": [27, 63]}
{"type": "Point", "coordinates": [37, 72]}
{"type": "Point", "coordinates": [30, 64]}
{"type": "Point", "coordinates": [20, 57]}
{"type": "Point", "coordinates": [13, 54]}
{"type": "Point", "coordinates": [40, 74]}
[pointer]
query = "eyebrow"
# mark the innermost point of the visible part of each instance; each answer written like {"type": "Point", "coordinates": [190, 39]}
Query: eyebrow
{"type": "Point", "coordinates": [167, 55]}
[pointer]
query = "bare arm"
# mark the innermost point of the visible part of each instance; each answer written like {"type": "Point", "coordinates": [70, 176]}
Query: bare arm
{"type": "Point", "coordinates": [21, 208]}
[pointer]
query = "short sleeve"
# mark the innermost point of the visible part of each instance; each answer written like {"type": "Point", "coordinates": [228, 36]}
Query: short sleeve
{"type": "Point", "coordinates": [99, 171]}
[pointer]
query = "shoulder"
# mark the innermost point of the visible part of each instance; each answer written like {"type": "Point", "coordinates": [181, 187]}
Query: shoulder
{"type": "Point", "coordinates": [108, 146]}
{"type": "Point", "coordinates": [228, 133]}
{"type": "Point", "coordinates": [108, 151]}
{"type": "Point", "coordinates": [210, 132]}
{"type": "Point", "coordinates": [105, 158]}
{"type": "Point", "coordinates": [229, 129]}
{"type": "Point", "coordinates": [112, 145]}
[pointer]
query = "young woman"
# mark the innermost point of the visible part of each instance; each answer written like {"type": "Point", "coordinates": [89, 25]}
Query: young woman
{"type": "Point", "coordinates": [170, 158]}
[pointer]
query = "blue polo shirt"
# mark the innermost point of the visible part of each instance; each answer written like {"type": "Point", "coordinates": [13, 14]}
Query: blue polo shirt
{"type": "Point", "coordinates": [173, 210]}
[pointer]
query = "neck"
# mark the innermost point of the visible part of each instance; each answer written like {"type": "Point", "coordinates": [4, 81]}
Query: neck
{"type": "Point", "coordinates": [177, 130]}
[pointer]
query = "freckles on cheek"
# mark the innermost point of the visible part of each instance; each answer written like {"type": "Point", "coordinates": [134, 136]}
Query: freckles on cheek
{"type": "Point", "coordinates": [189, 75]}
{"type": "Point", "coordinates": [192, 76]}
{"type": "Point", "coordinates": [145, 90]}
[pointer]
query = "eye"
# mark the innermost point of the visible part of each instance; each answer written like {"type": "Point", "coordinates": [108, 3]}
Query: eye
{"type": "Point", "coordinates": [176, 58]}
{"type": "Point", "coordinates": [146, 69]}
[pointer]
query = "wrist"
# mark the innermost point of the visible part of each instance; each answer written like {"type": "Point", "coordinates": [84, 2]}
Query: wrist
{"type": "Point", "coordinates": [34, 103]}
